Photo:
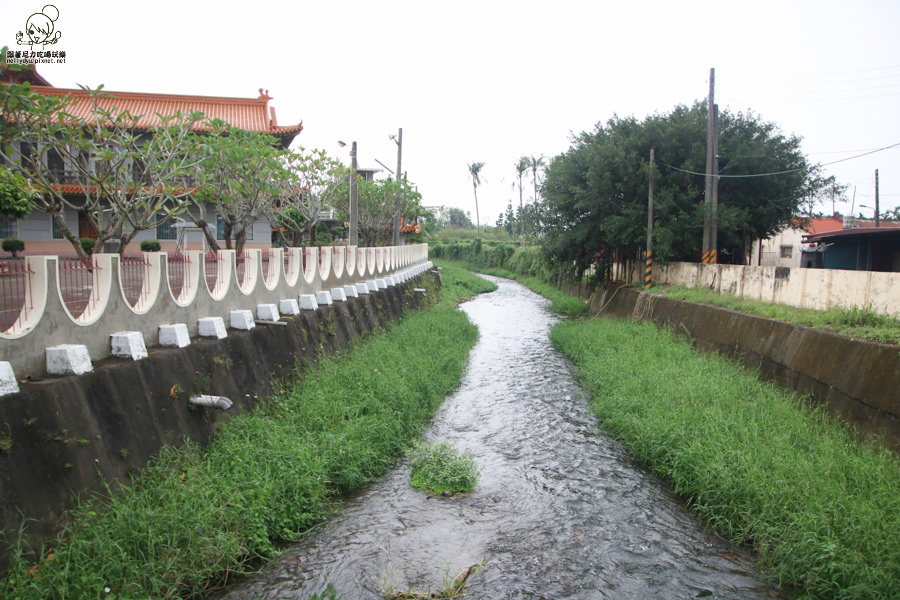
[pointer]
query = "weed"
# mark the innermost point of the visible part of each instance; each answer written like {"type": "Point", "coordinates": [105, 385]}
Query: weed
{"type": "Point", "coordinates": [6, 445]}
{"type": "Point", "coordinates": [222, 361]}
{"type": "Point", "coordinates": [440, 468]}
{"type": "Point", "coordinates": [123, 452]}
{"type": "Point", "coordinates": [83, 442]}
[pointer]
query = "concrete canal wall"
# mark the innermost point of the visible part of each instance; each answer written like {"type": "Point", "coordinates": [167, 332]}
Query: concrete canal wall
{"type": "Point", "coordinates": [858, 382]}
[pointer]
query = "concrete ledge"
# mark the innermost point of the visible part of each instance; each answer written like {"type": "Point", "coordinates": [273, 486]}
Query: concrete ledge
{"type": "Point", "coordinates": [242, 319]}
{"type": "Point", "coordinates": [308, 302]}
{"type": "Point", "coordinates": [212, 327]}
{"type": "Point", "coordinates": [362, 288]}
{"type": "Point", "coordinates": [351, 291]}
{"type": "Point", "coordinates": [338, 294]}
{"type": "Point", "coordinates": [8, 383]}
{"type": "Point", "coordinates": [68, 359]}
{"type": "Point", "coordinates": [381, 284]}
{"type": "Point", "coordinates": [128, 344]}
{"type": "Point", "coordinates": [323, 298]}
{"type": "Point", "coordinates": [174, 334]}
{"type": "Point", "coordinates": [267, 312]}
{"type": "Point", "coordinates": [372, 285]}
{"type": "Point", "coordinates": [289, 306]}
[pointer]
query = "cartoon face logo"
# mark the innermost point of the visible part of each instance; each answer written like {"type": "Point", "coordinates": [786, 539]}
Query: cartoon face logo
{"type": "Point", "coordinates": [39, 28]}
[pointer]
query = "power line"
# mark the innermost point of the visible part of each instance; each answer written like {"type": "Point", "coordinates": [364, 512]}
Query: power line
{"type": "Point", "coordinates": [659, 162]}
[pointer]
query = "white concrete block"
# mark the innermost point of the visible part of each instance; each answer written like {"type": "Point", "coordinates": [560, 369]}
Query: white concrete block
{"type": "Point", "coordinates": [212, 327]}
{"type": "Point", "coordinates": [68, 359]}
{"type": "Point", "coordinates": [372, 285]}
{"type": "Point", "coordinates": [362, 288]}
{"type": "Point", "coordinates": [308, 302]}
{"type": "Point", "coordinates": [381, 284]}
{"type": "Point", "coordinates": [128, 344]}
{"type": "Point", "coordinates": [174, 334]}
{"type": "Point", "coordinates": [351, 291]}
{"type": "Point", "coordinates": [242, 319]}
{"type": "Point", "coordinates": [267, 312]}
{"type": "Point", "coordinates": [339, 294]}
{"type": "Point", "coordinates": [8, 383]}
{"type": "Point", "coordinates": [323, 298]}
{"type": "Point", "coordinates": [289, 306]}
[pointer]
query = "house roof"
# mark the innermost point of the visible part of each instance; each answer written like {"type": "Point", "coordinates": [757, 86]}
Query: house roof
{"type": "Point", "coordinates": [251, 114]}
{"type": "Point", "coordinates": [888, 229]}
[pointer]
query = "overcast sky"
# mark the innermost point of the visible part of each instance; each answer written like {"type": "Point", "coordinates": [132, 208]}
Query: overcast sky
{"type": "Point", "coordinates": [491, 81]}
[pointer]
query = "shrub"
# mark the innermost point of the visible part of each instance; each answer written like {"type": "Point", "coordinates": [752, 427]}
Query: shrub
{"type": "Point", "coordinates": [13, 245]}
{"type": "Point", "coordinates": [88, 245]}
{"type": "Point", "coordinates": [150, 246]}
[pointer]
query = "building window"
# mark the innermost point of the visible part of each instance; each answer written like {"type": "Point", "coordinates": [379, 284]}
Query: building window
{"type": "Point", "coordinates": [9, 226]}
{"type": "Point", "coordinates": [787, 251]}
{"type": "Point", "coordinates": [220, 229]}
{"type": "Point", "coordinates": [165, 228]}
{"type": "Point", "coordinates": [57, 233]}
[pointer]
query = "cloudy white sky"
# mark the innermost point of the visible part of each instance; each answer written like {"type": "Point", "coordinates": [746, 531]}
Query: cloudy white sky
{"type": "Point", "coordinates": [493, 80]}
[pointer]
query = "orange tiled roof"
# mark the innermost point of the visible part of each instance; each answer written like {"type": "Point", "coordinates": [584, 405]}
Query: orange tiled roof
{"type": "Point", "coordinates": [252, 114]}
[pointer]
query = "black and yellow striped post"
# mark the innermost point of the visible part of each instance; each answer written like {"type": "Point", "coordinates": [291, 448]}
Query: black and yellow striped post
{"type": "Point", "coordinates": [710, 257]}
{"type": "Point", "coordinates": [648, 270]}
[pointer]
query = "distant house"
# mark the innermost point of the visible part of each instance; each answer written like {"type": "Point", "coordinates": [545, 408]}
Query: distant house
{"type": "Point", "coordinates": [836, 242]}
{"type": "Point", "coordinates": [42, 235]}
{"type": "Point", "coordinates": [866, 248]}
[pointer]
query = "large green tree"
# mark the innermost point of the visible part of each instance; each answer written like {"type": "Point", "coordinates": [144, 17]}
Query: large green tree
{"type": "Point", "coordinates": [595, 194]}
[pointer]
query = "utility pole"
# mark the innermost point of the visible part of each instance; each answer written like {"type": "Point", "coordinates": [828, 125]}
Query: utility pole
{"type": "Point", "coordinates": [709, 243]}
{"type": "Point", "coordinates": [648, 269]}
{"type": "Point", "coordinates": [877, 206]}
{"type": "Point", "coordinates": [399, 141]}
{"type": "Point", "coordinates": [352, 239]}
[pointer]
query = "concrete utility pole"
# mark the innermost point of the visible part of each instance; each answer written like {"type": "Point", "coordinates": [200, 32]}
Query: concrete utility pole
{"type": "Point", "coordinates": [399, 141]}
{"type": "Point", "coordinates": [709, 244]}
{"type": "Point", "coordinates": [648, 270]}
{"type": "Point", "coordinates": [353, 237]}
{"type": "Point", "coordinates": [877, 205]}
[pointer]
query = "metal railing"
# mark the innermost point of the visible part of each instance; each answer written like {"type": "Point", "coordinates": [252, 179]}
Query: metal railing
{"type": "Point", "coordinates": [15, 292]}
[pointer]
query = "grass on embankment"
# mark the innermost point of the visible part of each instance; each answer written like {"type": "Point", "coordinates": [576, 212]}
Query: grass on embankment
{"type": "Point", "coordinates": [199, 514]}
{"type": "Point", "coordinates": [822, 510]}
{"type": "Point", "coordinates": [862, 323]}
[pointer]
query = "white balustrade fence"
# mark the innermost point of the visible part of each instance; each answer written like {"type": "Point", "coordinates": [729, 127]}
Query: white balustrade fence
{"type": "Point", "coordinates": [49, 301]}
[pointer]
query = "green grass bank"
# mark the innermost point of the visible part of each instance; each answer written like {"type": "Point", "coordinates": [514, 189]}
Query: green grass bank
{"type": "Point", "coordinates": [199, 515]}
{"type": "Point", "coordinates": [820, 508]}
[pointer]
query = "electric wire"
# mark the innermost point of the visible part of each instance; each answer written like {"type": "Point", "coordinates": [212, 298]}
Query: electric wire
{"type": "Point", "coordinates": [674, 168]}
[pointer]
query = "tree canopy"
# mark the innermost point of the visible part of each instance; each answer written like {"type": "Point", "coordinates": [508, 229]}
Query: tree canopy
{"type": "Point", "coordinates": [595, 194]}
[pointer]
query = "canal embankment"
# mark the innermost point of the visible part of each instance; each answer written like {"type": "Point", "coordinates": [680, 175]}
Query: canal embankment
{"type": "Point", "coordinates": [73, 437]}
{"type": "Point", "coordinates": [759, 466]}
{"type": "Point", "coordinates": [856, 381]}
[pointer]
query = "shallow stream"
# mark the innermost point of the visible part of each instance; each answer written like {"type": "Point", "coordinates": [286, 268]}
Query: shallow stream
{"type": "Point", "coordinates": [561, 511]}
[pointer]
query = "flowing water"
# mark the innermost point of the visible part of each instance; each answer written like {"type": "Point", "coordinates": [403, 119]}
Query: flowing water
{"type": "Point", "coordinates": [561, 511]}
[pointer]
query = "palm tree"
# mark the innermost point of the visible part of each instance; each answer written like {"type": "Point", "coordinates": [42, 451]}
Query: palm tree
{"type": "Point", "coordinates": [521, 167]}
{"type": "Point", "coordinates": [535, 163]}
{"type": "Point", "coordinates": [474, 171]}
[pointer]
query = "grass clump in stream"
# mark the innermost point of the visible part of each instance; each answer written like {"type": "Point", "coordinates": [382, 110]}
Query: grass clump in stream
{"type": "Point", "coordinates": [198, 515]}
{"type": "Point", "coordinates": [821, 509]}
{"type": "Point", "coordinates": [440, 468]}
